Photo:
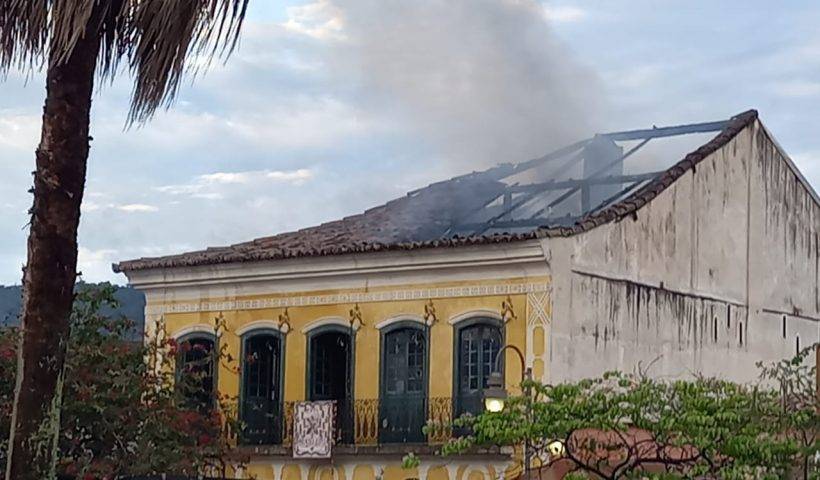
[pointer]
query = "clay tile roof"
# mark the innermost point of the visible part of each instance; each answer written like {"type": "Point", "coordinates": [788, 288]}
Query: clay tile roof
{"type": "Point", "coordinates": [423, 219]}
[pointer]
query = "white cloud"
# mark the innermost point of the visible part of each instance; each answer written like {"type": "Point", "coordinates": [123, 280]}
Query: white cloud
{"type": "Point", "coordinates": [321, 20]}
{"type": "Point", "coordinates": [798, 88]}
{"type": "Point", "coordinates": [563, 13]}
{"type": "Point", "coordinates": [636, 77]}
{"type": "Point", "coordinates": [296, 177]}
{"type": "Point", "coordinates": [95, 265]}
{"type": "Point", "coordinates": [203, 186]}
{"type": "Point", "coordinates": [292, 123]}
{"type": "Point", "coordinates": [225, 177]}
{"type": "Point", "coordinates": [18, 131]}
{"type": "Point", "coordinates": [207, 196]}
{"type": "Point", "coordinates": [137, 207]}
{"type": "Point", "coordinates": [92, 206]}
{"type": "Point", "coordinates": [809, 165]}
{"type": "Point", "coordinates": [306, 122]}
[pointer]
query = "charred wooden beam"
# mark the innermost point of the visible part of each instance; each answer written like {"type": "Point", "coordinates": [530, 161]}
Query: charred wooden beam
{"type": "Point", "coordinates": [618, 195]}
{"type": "Point", "coordinates": [564, 184]}
{"type": "Point", "coordinates": [505, 170]}
{"type": "Point", "coordinates": [595, 174]}
{"type": "Point", "coordinates": [521, 223]}
{"type": "Point", "coordinates": [526, 198]}
{"type": "Point", "coordinates": [508, 170]}
{"type": "Point", "coordinates": [667, 131]}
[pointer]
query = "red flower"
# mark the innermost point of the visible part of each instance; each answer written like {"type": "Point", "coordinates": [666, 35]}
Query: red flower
{"type": "Point", "coordinates": [7, 354]}
{"type": "Point", "coordinates": [204, 439]}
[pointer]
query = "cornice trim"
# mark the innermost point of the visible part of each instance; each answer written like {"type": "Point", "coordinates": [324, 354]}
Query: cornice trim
{"type": "Point", "coordinates": [258, 325]}
{"type": "Point", "coordinates": [324, 321]}
{"type": "Point", "coordinates": [196, 328]}
{"type": "Point", "coordinates": [404, 317]}
{"type": "Point", "coordinates": [426, 293]}
{"type": "Point", "coordinates": [478, 313]}
{"type": "Point", "coordinates": [354, 265]}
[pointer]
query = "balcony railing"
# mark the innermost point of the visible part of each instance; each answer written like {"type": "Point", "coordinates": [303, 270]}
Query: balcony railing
{"type": "Point", "coordinates": [368, 422]}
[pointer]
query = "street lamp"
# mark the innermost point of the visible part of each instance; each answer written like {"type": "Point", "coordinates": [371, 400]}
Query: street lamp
{"type": "Point", "coordinates": [495, 395]}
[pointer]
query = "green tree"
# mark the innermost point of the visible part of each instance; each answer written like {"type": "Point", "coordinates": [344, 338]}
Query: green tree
{"type": "Point", "coordinates": [796, 381]}
{"type": "Point", "coordinates": [121, 414]}
{"type": "Point", "coordinates": [75, 41]}
{"type": "Point", "coordinates": [629, 426]}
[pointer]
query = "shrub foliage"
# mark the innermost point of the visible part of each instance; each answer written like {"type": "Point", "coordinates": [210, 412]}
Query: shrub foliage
{"type": "Point", "coordinates": [631, 426]}
{"type": "Point", "coordinates": [123, 411]}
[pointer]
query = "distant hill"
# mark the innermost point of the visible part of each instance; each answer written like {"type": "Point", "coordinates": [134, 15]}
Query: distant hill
{"type": "Point", "coordinates": [10, 303]}
{"type": "Point", "coordinates": [132, 305]}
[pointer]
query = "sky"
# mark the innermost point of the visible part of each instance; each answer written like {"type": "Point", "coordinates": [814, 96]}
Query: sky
{"type": "Point", "coordinates": [330, 107]}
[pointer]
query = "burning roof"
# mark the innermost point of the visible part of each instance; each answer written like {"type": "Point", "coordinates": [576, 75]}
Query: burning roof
{"type": "Point", "coordinates": [509, 202]}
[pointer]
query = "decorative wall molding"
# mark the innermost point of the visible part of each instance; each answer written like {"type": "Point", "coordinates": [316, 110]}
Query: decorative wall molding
{"type": "Point", "coordinates": [538, 306]}
{"type": "Point", "coordinates": [344, 467]}
{"type": "Point", "coordinates": [537, 303]}
{"type": "Point", "coordinates": [404, 317]}
{"type": "Point", "coordinates": [323, 321]}
{"type": "Point", "coordinates": [507, 310]}
{"type": "Point", "coordinates": [478, 313]}
{"type": "Point", "coordinates": [257, 325]}
{"type": "Point", "coordinates": [505, 259]}
{"type": "Point", "coordinates": [196, 328]}
{"type": "Point", "coordinates": [349, 298]}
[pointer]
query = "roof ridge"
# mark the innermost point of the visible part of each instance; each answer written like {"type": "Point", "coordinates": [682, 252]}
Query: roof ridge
{"type": "Point", "coordinates": [652, 189]}
{"type": "Point", "coordinates": [384, 237]}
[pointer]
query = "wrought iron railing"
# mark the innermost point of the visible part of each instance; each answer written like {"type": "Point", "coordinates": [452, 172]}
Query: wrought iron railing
{"type": "Point", "coordinates": [367, 421]}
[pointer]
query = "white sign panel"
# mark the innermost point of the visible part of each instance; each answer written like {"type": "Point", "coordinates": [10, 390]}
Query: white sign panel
{"type": "Point", "coordinates": [313, 429]}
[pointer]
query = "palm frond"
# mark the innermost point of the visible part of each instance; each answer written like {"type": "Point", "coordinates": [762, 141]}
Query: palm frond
{"type": "Point", "coordinates": [159, 40]}
{"type": "Point", "coordinates": [24, 28]}
{"type": "Point", "coordinates": [167, 33]}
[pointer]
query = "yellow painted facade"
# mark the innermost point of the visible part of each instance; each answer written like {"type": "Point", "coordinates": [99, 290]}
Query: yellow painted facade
{"type": "Point", "coordinates": [522, 304]}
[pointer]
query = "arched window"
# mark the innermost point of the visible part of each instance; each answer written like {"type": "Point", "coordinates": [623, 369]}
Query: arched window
{"type": "Point", "coordinates": [330, 373]}
{"type": "Point", "coordinates": [195, 372]}
{"type": "Point", "coordinates": [403, 383]}
{"type": "Point", "coordinates": [261, 406]}
{"type": "Point", "coordinates": [477, 343]}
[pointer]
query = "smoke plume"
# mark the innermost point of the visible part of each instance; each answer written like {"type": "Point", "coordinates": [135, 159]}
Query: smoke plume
{"type": "Point", "coordinates": [480, 81]}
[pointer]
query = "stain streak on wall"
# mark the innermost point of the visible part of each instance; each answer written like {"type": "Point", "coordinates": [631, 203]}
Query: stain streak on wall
{"type": "Point", "coordinates": [700, 278]}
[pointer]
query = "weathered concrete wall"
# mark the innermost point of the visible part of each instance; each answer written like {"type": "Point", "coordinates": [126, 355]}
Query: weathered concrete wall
{"type": "Point", "coordinates": [700, 279]}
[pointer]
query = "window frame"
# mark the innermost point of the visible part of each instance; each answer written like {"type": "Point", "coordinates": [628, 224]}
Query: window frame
{"type": "Point", "coordinates": [400, 325]}
{"type": "Point", "coordinates": [384, 330]}
{"type": "Point", "coordinates": [321, 330]}
{"type": "Point", "coordinates": [244, 338]}
{"type": "Point", "coordinates": [458, 328]}
{"type": "Point", "coordinates": [178, 364]}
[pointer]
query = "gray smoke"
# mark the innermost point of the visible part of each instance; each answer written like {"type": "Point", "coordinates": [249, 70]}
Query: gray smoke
{"type": "Point", "coordinates": [481, 81]}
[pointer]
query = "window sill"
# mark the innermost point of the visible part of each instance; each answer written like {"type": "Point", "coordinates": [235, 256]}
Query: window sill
{"type": "Point", "coordinates": [390, 449]}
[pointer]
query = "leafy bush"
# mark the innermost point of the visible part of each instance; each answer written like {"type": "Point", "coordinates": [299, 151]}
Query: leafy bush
{"type": "Point", "coordinates": [121, 413]}
{"type": "Point", "coordinates": [631, 426]}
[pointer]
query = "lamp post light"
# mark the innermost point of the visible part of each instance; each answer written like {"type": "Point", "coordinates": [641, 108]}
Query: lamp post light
{"type": "Point", "coordinates": [495, 395]}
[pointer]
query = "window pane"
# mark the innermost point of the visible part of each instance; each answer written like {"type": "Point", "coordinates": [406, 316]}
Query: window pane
{"type": "Point", "coordinates": [478, 348]}
{"type": "Point", "coordinates": [196, 372]}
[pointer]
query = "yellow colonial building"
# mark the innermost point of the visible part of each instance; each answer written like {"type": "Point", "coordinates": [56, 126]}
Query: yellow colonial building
{"type": "Point", "coordinates": [581, 262]}
{"type": "Point", "coordinates": [394, 338]}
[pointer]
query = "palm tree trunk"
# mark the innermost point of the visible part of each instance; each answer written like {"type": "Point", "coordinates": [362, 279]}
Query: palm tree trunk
{"type": "Point", "coordinates": [48, 279]}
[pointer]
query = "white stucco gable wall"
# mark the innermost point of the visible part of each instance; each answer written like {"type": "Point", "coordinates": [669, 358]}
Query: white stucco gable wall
{"type": "Point", "coordinates": [699, 279]}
